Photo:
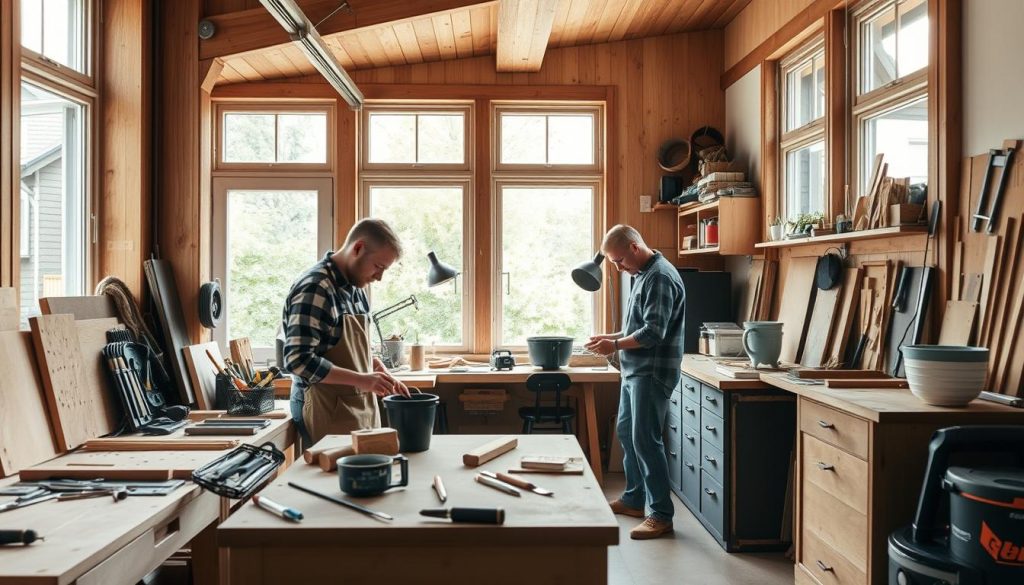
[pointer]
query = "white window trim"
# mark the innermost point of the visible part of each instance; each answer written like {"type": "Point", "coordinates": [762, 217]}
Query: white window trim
{"type": "Point", "coordinates": [797, 138]}
{"type": "Point", "coordinates": [222, 108]}
{"type": "Point", "coordinates": [324, 186]}
{"type": "Point", "coordinates": [465, 278]}
{"type": "Point", "coordinates": [497, 286]}
{"type": "Point", "coordinates": [595, 109]}
{"type": "Point", "coordinates": [416, 109]}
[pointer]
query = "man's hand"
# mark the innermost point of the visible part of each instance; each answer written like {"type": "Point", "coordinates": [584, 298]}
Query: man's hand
{"type": "Point", "coordinates": [381, 383]}
{"type": "Point", "coordinates": [603, 346]}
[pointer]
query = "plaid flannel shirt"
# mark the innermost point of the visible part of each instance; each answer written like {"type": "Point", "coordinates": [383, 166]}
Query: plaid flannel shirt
{"type": "Point", "coordinates": [312, 321]}
{"type": "Point", "coordinates": [654, 317]}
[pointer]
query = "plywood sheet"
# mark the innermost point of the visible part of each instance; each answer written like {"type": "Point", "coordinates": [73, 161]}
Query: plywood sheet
{"type": "Point", "coordinates": [958, 323]}
{"type": "Point", "coordinates": [26, 437]}
{"type": "Point", "coordinates": [78, 409]}
{"type": "Point", "coordinates": [795, 304]}
{"type": "Point", "coordinates": [202, 373]}
{"type": "Point", "coordinates": [92, 336]}
{"type": "Point", "coordinates": [819, 329]}
{"type": "Point", "coordinates": [123, 465]}
{"type": "Point", "coordinates": [86, 307]}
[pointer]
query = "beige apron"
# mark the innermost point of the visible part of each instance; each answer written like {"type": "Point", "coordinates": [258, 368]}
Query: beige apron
{"type": "Point", "coordinates": [333, 409]}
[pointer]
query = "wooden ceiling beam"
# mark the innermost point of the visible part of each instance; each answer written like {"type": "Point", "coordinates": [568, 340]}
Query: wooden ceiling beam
{"type": "Point", "coordinates": [249, 30]}
{"type": "Point", "coordinates": [524, 27]}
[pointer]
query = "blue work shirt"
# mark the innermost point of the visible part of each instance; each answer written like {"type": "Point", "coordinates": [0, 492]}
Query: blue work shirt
{"type": "Point", "coordinates": [654, 317]}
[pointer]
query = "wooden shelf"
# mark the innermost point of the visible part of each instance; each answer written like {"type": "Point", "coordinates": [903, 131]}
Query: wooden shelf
{"type": "Point", "coordinates": [664, 207]}
{"type": "Point", "coordinates": [709, 250]}
{"type": "Point", "coordinates": [691, 209]}
{"type": "Point", "coordinates": [875, 234]}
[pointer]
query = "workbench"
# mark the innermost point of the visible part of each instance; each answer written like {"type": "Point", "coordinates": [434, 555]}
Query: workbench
{"type": "Point", "coordinates": [584, 377]}
{"type": "Point", "coordinates": [100, 542]}
{"type": "Point", "coordinates": [545, 540]}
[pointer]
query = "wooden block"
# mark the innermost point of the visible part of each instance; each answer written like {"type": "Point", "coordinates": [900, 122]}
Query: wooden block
{"type": "Point", "coordinates": [79, 410]}
{"type": "Point", "coordinates": [241, 351]}
{"type": "Point", "coordinates": [202, 373]}
{"type": "Point", "coordinates": [894, 383]}
{"type": "Point", "coordinates": [26, 437]}
{"type": "Point", "coordinates": [574, 467]}
{"type": "Point", "coordinates": [839, 374]}
{"type": "Point", "coordinates": [127, 444]}
{"type": "Point", "coordinates": [10, 318]}
{"type": "Point", "coordinates": [382, 441]}
{"type": "Point", "coordinates": [958, 323]}
{"type": "Point", "coordinates": [488, 451]}
{"type": "Point", "coordinates": [328, 459]}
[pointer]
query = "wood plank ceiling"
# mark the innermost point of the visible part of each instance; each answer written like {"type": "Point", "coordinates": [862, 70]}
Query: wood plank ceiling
{"type": "Point", "coordinates": [473, 32]}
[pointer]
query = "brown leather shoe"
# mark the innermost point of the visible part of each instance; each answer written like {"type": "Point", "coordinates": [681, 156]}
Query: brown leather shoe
{"type": "Point", "coordinates": [650, 528]}
{"type": "Point", "coordinates": [619, 507]}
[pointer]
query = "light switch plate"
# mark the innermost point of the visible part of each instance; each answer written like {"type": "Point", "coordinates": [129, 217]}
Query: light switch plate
{"type": "Point", "coordinates": [645, 204]}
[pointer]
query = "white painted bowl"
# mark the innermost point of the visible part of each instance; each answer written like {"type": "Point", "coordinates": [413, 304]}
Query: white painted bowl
{"type": "Point", "coordinates": [940, 384]}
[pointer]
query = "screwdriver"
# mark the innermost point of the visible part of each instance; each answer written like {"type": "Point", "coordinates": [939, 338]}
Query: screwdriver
{"type": "Point", "coordinates": [475, 515]}
{"type": "Point", "coordinates": [25, 537]}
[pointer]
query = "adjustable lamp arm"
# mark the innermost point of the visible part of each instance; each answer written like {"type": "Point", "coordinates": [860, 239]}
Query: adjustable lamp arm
{"type": "Point", "coordinates": [379, 316]}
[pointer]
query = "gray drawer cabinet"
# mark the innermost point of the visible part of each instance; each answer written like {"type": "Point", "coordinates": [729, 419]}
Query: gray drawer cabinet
{"type": "Point", "coordinates": [733, 450]}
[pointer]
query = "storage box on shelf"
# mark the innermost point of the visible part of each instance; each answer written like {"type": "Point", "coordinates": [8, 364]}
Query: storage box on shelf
{"type": "Point", "coordinates": [737, 218]}
{"type": "Point", "coordinates": [728, 444]}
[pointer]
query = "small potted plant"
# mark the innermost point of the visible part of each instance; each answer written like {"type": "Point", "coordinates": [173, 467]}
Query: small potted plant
{"type": "Point", "coordinates": [775, 229]}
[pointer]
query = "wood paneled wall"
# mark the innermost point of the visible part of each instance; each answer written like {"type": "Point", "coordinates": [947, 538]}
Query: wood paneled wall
{"type": "Point", "coordinates": [755, 23]}
{"type": "Point", "coordinates": [8, 162]}
{"type": "Point", "coordinates": [665, 87]}
{"type": "Point", "coordinates": [124, 202]}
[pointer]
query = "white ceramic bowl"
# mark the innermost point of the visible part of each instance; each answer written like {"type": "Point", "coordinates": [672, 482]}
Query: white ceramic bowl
{"type": "Point", "coordinates": [940, 384]}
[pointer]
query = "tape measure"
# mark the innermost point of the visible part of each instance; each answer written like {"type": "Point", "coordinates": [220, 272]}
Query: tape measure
{"type": "Point", "coordinates": [211, 304]}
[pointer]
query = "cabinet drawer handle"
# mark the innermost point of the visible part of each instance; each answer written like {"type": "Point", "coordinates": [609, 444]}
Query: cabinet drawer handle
{"type": "Point", "coordinates": [824, 567]}
{"type": "Point", "coordinates": [825, 466]}
{"type": "Point", "coordinates": [710, 492]}
{"type": "Point", "coordinates": [825, 424]}
{"type": "Point", "coordinates": [690, 388]}
{"type": "Point", "coordinates": [710, 428]}
{"type": "Point", "coordinates": [688, 465]}
{"type": "Point", "coordinates": [711, 399]}
{"type": "Point", "coordinates": [689, 410]}
{"type": "Point", "coordinates": [689, 437]}
{"type": "Point", "coordinates": [676, 402]}
{"type": "Point", "coordinates": [673, 427]}
{"type": "Point", "coordinates": [672, 453]}
{"type": "Point", "coordinates": [709, 459]}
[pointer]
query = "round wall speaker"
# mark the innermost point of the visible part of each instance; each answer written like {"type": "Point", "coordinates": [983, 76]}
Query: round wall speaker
{"type": "Point", "coordinates": [207, 29]}
{"type": "Point", "coordinates": [211, 305]}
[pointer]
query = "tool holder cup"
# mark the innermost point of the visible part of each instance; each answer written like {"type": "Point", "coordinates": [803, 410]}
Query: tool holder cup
{"type": "Point", "coordinates": [249, 402]}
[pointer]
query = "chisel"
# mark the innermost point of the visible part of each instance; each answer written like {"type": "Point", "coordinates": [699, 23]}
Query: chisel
{"type": "Point", "coordinates": [18, 537]}
{"type": "Point", "coordinates": [498, 485]}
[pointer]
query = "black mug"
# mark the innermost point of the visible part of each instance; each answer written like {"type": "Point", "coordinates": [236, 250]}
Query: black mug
{"type": "Point", "coordinates": [370, 475]}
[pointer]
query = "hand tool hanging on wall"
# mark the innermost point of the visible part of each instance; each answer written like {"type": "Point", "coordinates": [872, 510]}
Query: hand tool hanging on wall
{"type": "Point", "coordinates": [997, 158]}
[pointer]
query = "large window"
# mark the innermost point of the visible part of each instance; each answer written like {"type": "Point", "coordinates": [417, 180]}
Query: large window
{"type": "Point", "coordinates": [57, 106]}
{"type": "Point", "coordinates": [548, 138]}
{"type": "Point", "coordinates": [802, 145]}
{"type": "Point", "coordinates": [890, 110]}
{"type": "Point", "coordinates": [426, 137]}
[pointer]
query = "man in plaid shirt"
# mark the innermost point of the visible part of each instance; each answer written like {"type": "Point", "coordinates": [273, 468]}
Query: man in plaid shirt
{"type": "Point", "coordinates": [315, 308]}
{"type": "Point", "coordinates": [650, 350]}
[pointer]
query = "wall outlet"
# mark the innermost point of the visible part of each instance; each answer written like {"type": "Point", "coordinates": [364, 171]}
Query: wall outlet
{"type": "Point", "coordinates": [645, 204]}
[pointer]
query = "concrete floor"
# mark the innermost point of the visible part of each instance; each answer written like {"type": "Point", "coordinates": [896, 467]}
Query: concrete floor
{"type": "Point", "coordinates": [689, 557]}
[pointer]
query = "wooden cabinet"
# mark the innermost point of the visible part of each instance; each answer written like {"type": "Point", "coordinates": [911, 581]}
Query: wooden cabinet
{"type": "Point", "coordinates": [738, 222]}
{"type": "Point", "coordinates": [732, 454]}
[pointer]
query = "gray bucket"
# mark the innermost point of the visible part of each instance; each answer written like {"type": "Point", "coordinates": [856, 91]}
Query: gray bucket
{"type": "Point", "coordinates": [413, 418]}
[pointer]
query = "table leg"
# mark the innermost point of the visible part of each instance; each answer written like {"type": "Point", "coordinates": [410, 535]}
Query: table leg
{"type": "Point", "coordinates": [206, 568]}
{"type": "Point", "coordinates": [593, 449]}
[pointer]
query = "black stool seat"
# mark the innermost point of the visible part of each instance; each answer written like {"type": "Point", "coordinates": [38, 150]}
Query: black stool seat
{"type": "Point", "coordinates": [559, 414]}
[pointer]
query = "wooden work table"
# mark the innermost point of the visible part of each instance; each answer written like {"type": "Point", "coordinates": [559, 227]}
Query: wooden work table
{"type": "Point", "coordinates": [561, 539]}
{"type": "Point", "coordinates": [585, 376]}
{"type": "Point", "coordinates": [702, 368]}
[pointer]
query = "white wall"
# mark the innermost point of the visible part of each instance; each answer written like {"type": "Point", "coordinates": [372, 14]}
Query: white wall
{"type": "Point", "coordinates": [993, 73]}
{"type": "Point", "coordinates": [743, 139]}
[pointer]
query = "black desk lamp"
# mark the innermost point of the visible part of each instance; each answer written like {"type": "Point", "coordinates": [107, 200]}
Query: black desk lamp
{"type": "Point", "coordinates": [589, 275]}
{"type": "Point", "coordinates": [439, 272]}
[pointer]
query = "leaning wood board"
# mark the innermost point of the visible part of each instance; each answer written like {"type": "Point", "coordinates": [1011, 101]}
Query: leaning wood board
{"type": "Point", "coordinates": [958, 323]}
{"type": "Point", "coordinates": [844, 321]}
{"type": "Point", "coordinates": [122, 465]}
{"type": "Point", "coordinates": [9, 316]}
{"type": "Point", "coordinates": [241, 351]}
{"type": "Point", "coordinates": [25, 434]}
{"type": "Point", "coordinates": [201, 372]}
{"type": "Point", "coordinates": [794, 306]}
{"type": "Point", "coordinates": [819, 328]}
{"type": "Point", "coordinates": [79, 409]}
{"type": "Point", "coordinates": [83, 308]}
{"type": "Point", "coordinates": [1002, 300]}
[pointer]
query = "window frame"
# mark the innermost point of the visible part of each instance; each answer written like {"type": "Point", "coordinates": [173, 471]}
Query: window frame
{"type": "Point", "coordinates": [810, 133]}
{"type": "Point", "coordinates": [416, 108]}
{"type": "Point", "coordinates": [898, 93]}
{"type": "Point", "coordinates": [274, 108]}
{"type": "Point", "coordinates": [65, 74]}
{"type": "Point", "coordinates": [466, 275]}
{"type": "Point", "coordinates": [219, 187]}
{"type": "Point", "coordinates": [498, 183]}
{"type": "Point", "coordinates": [546, 108]}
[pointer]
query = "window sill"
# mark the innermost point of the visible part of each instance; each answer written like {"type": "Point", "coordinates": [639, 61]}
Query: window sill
{"type": "Point", "coordinates": [875, 234]}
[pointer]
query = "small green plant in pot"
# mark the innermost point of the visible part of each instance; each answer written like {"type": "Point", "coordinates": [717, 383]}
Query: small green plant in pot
{"type": "Point", "coordinates": [803, 223]}
{"type": "Point", "coordinates": [775, 229]}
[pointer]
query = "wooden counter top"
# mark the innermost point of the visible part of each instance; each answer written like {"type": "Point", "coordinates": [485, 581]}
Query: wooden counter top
{"type": "Point", "coordinates": [518, 375]}
{"type": "Point", "coordinates": [703, 369]}
{"type": "Point", "coordinates": [892, 405]}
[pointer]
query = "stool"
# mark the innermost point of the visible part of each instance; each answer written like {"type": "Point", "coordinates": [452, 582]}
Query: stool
{"type": "Point", "coordinates": [441, 418]}
{"type": "Point", "coordinates": [540, 384]}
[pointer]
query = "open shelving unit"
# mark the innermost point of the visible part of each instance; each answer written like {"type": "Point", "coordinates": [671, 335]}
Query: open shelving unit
{"type": "Point", "coordinates": [737, 220]}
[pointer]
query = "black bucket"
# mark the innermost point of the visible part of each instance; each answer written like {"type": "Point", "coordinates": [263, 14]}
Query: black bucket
{"type": "Point", "coordinates": [413, 418]}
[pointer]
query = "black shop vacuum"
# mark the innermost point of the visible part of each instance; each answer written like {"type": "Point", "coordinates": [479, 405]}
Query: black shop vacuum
{"type": "Point", "coordinates": [981, 542]}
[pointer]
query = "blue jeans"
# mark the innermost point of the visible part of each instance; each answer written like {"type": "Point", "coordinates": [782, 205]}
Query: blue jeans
{"type": "Point", "coordinates": [643, 405]}
{"type": "Point", "coordinates": [297, 399]}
